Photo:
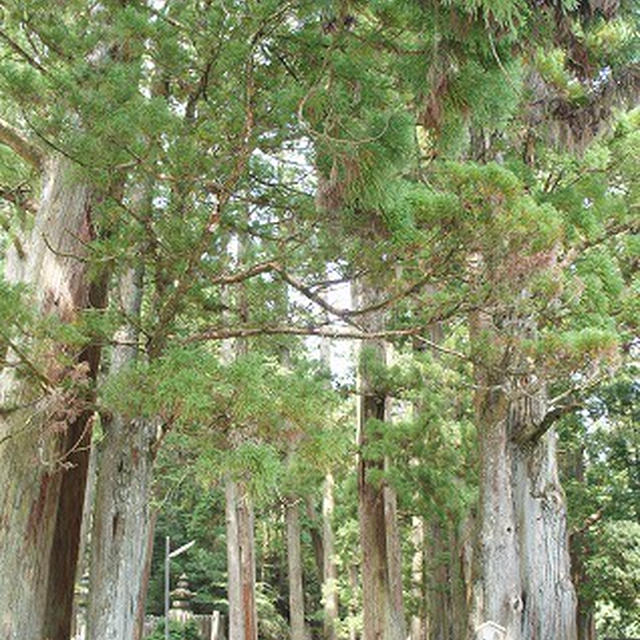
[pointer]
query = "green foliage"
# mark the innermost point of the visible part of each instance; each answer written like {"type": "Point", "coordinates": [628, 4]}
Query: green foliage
{"type": "Point", "coordinates": [234, 147]}
{"type": "Point", "coordinates": [600, 449]}
{"type": "Point", "coordinates": [614, 573]}
{"type": "Point", "coordinates": [177, 631]}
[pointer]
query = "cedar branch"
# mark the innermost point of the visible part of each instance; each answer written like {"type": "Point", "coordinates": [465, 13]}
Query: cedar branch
{"type": "Point", "coordinates": [17, 142]}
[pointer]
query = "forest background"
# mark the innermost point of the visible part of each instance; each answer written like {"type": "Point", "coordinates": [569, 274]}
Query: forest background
{"type": "Point", "coordinates": [186, 189]}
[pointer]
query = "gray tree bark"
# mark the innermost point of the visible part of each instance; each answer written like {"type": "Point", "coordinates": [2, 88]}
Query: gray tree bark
{"type": "Point", "coordinates": [44, 446]}
{"type": "Point", "coordinates": [418, 626]}
{"type": "Point", "coordinates": [122, 510]}
{"type": "Point", "coordinates": [294, 561]}
{"type": "Point", "coordinates": [523, 573]}
{"type": "Point", "coordinates": [330, 569]}
{"type": "Point", "coordinates": [234, 581]}
{"type": "Point", "coordinates": [241, 569]}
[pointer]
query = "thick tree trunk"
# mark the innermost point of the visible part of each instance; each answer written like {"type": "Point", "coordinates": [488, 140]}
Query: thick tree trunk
{"type": "Point", "coordinates": [44, 447]}
{"type": "Point", "coordinates": [330, 569]}
{"type": "Point", "coordinates": [497, 584]}
{"type": "Point", "coordinates": [122, 511]}
{"type": "Point", "coordinates": [382, 607]}
{"type": "Point", "coordinates": [549, 602]}
{"type": "Point", "coordinates": [294, 557]}
{"type": "Point", "coordinates": [524, 582]}
{"type": "Point", "coordinates": [499, 588]}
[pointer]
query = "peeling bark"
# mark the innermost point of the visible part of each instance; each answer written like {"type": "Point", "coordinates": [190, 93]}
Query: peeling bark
{"type": "Point", "coordinates": [122, 511]}
{"type": "Point", "coordinates": [523, 577]}
{"type": "Point", "coordinates": [241, 569]}
{"type": "Point", "coordinates": [549, 602]}
{"type": "Point", "coordinates": [43, 467]}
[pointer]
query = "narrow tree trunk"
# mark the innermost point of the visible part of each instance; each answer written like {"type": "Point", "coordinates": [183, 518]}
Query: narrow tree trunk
{"type": "Point", "coordinates": [247, 565]}
{"type": "Point", "coordinates": [84, 557]}
{"type": "Point", "coordinates": [579, 553]}
{"type": "Point", "coordinates": [316, 533]}
{"type": "Point", "coordinates": [234, 581]}
{"type": "Point", "coordinates": [330, 569]}
{"type": "Point", "coordinates": [383, 615]}
{"type": "Point", "coordinates": [461, 549]}
{"type": "Point", "coordinates": [394, 554]}
{"type": "Point", "coordinates": [439, 591]}
{"type": "Point", "coordinates": [294, 557]}
{"type": "Point", "coordinates": [418, 622]}
{"type": "Point", "coordinates": [353, 608]}
{"type": "Point", "coordinates": [241, 570]}
{"type": "Point", "coordinates": [586, 623]}
{"type": "Point", "coordinates": [142, 598]}
{"type": "Point", "coordinates": [44, 446]}
{"type": "Point", "coordinates": [122, 511]}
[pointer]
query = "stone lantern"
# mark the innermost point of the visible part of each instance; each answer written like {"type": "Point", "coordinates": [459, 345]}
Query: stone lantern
{"type": "Point", "coordinates": [181, 598]}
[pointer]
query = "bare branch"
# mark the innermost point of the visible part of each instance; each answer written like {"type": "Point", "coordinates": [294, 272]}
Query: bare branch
{"type": "Point", "coordinates": [338, 333]}
{"type": "Point", "coordinates": [22, 53]}
{"type": "Point", "coordinates": [241, 276]}
{"type": "Point", "coordinates": [324, 331]}
{"type": "Point", "coordinates": [589, 521]}
{"type": "Point", "coordinates": [15, 140]}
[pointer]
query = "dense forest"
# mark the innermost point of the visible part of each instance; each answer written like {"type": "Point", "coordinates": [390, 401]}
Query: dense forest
{"type": "Point", "coordinates": [344, 291]}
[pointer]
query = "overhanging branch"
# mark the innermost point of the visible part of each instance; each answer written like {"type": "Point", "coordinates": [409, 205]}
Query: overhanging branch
{"type": "Point", "coordinates": [15, 140]}
{"type": "Point", "coordinates": [337, 333]}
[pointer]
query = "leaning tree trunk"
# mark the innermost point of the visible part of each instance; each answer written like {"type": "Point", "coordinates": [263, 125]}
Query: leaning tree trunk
{"type": "Point", "coordinates": [122, 510]}
{"type": "Point", "coordinates": [382, 606]}
{"type": "Point", "coordinates": [44, 445]}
